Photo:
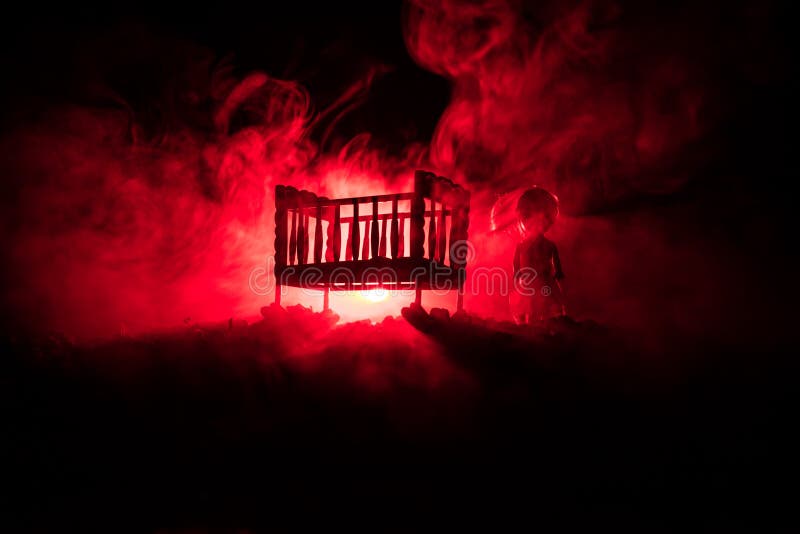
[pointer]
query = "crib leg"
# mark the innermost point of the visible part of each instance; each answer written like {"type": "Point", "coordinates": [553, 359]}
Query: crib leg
{"type": "Point", "coordinates": [460, 298]}
{"type": "Point", "coordinates": [326, 299]}
{"type": "Point", "coordinates": [418, 300]}
{"type": "Point", "coordinates": [278, 294]}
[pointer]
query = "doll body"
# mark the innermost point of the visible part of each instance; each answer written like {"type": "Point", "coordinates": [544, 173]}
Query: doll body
{"type": "Point", "coordinates": [538, 292]}
{"type": "Point", "coordinates": [537, 280]}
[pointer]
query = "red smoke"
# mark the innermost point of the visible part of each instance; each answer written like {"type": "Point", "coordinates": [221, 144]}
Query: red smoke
{"type": "Point", "coordinates": [135, 220]}
{"type": "Point", "coordinates": [571, 98]}
{"type": "Point", "coordinates": [120, 229]}
{"type": "Point", "coordinates": [611, 106]}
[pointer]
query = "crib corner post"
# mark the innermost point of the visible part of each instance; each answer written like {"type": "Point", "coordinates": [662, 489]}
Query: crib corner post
{"type": "Point", "coordinates": [418, 297]}
{"type": "Point", "coordinates": [281, 220]}
{"type": "Point", "coordinates": [326, 299]}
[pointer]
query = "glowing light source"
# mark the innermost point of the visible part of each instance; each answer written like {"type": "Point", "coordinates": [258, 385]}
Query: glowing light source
{"type": "Point", "coordinates": [374, 295]}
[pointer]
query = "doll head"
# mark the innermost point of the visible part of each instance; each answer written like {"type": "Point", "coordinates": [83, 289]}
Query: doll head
{"type": "Point", "coordinates": [537, 210]}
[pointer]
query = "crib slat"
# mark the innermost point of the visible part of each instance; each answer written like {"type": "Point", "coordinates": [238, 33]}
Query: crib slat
{"type": "Point", "coordinates": [382, 245]}
{"type": "Point", "coordinates": [440, 256]}
{"type": "Point", "coordinates": [395, 233]}
{"type": "Point", "coordinates": [337, 234]}
{"type": "Point", "coordinates": [401, 238]}
{"type": "Point", "coordinates": [348, 249]}
{"type": "Point", "coordinates": [417, 229]}
{"type": "Point", "coordinates": [301, 239]}
{"type": "Point", "coordinates": [355, 232]}
{"type": "Point", "coordinates": [432, 232]}
{"type": "Point", "coordinates": [293, 239]}
{"type": "Point", "coordinates": [329, 234]}
{"type": "Point", "coordinates": [318, 236]}
{"type": "Point", "coordinates": [365, 243]}
{"type": "Point", "coordinates": [306, 241]}
{"type": "Point", "coordinates": [374, 237]}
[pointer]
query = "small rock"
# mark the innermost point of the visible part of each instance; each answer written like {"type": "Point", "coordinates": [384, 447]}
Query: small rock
{"type": "Point", "coordinates": [272, 309]}
{"type": "Point", "coordinates": [461, 317]}
{"type": "Point", "coordinates": [440, 314]}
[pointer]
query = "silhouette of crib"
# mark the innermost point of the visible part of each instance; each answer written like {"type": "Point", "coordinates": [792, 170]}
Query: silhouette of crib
{"type": "Point", "coordinates": [369, 242]}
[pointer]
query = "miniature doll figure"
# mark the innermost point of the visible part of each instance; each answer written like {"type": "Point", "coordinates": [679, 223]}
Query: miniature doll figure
{"type": "Point", "coordinates": [538, 293]}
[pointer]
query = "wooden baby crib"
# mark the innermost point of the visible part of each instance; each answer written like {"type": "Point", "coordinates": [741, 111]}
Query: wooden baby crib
{"type": "Point", "coordinates": [383, 257]}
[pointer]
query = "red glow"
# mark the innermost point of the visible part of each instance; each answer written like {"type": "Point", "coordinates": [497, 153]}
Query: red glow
{"type": "Point", "coordinates": [119, 225]}
{"type": "Point", "coordinates": [374, 295]}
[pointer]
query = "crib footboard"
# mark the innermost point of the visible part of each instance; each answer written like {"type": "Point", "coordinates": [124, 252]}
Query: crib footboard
{"type": "Point", "coordinates": [414, 240]}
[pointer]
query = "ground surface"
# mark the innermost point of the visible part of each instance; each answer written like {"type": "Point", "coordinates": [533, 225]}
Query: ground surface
{"type": "Point", "coordinates": [468, 420]}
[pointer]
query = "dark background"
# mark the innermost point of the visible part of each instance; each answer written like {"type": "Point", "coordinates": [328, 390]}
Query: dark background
{"type": "Point", "coordinates": [50, 56]}
{"type": "Point", "coordinates": [213, 427]}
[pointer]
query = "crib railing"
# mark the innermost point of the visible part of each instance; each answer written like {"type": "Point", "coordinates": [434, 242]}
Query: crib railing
{"type": "Point", "coordinates": [301, 215]}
